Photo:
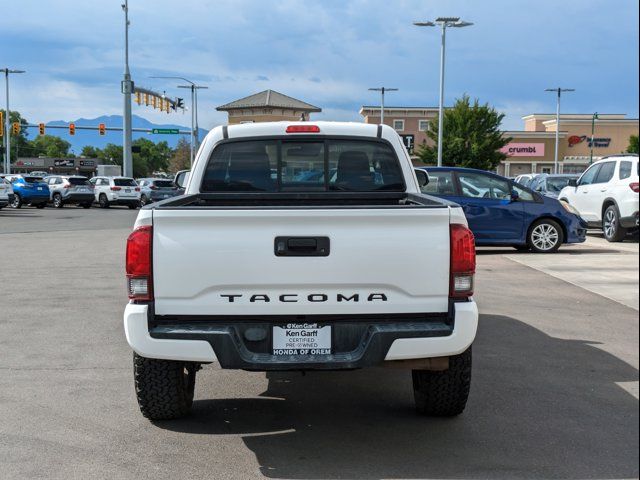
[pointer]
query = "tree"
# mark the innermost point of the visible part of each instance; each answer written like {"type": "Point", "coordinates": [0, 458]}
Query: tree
{"type": "Point", "coordinates": [181, 159]}
{"type": "Point", "coordinates": [90, 151]}
{"type": "Point", "coordinates": [49, 146]}
{"type": "Point", "coordinates": [152, 157]}
{"type": "Point", "coordinates": [633, 144]}
{"type": "Point", "coordinates": [19, 142]}
{"type": "Point", "coordinates": [112, 153]}
{"type": "Point", "coordinates": [471, 137]}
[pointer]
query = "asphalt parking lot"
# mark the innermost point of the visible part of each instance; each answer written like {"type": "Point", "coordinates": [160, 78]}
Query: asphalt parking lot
{"type": "Point", "coordinates": [554, 391]}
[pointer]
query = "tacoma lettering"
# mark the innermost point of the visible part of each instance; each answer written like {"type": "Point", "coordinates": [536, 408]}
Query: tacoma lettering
{"type": "Point", "coordinates": [313, 297]}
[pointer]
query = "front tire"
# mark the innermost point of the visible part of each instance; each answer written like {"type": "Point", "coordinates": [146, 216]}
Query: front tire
{"type": "Point", "coordinates": [103, 201]}
{"type": "Point", "coordinates": [611, 227]}
{"type": "Point", "coordinates": [545, 236]}
{"type": "Point", "coordinates": [17, 201]}
{"type": "Point", "coordinates": [164, 388]}
{"type": "Point", "coordinates": [143, 200]}
{"type": "Point", "coordinates": [57, 200]}
{"type": "Point", "coordinates": [443, 394]}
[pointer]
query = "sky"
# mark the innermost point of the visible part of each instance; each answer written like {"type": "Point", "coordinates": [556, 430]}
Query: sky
{"type": "Point", "coordinates": [325, 53]}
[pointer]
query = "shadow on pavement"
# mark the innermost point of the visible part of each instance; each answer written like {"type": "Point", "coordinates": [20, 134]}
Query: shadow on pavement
{"type": "Point", "coordinates": [540, 407]}
{"type": "Point", "coordinates": [563, 251]}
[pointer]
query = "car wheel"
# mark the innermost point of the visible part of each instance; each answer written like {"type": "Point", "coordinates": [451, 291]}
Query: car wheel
{"type": "Point", "coordinates": [57, 200]}
{"type": "Point", "coordinates": [164, 388]}
{"type": "Point", "coordinates": [611, 227]}
{"type": "Point", "coordinates": [41, 205]}
{"type": "Point", "coordinates": [143, 200]}
{"type": "Point", "coordinates": [545, 236]}
{"type": "Point", "coordinates": [443, 394]}
{"type": "Point", "coordinates": [103, 201]}
{"type": "Point", "coordinates": [17, 201]}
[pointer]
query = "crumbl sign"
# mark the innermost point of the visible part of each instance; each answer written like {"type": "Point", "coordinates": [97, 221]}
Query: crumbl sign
{"type": "Point", "coordinates": [523, 149]}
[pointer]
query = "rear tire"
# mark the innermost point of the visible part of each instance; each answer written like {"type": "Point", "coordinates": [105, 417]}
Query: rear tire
{"type": "Point", "coordinates": [57, 200]}
{"type": "Point", "coordinates": [164, 388]}
{"type": "Point", "coordinates": [611, 227]}
{"type": "Point", "coordinates": [143, 200]}
{"type": "Point", "coordinates": [545, 236]}
{"type": "Point", "coordinates": [443, 394]}
{"type": "Point", "coordinates": [103, 201]}
{"type": "Point", "coordinates": [17, 201]}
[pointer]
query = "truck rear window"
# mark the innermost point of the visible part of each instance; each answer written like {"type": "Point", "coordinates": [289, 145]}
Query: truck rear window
{"type": "Point", "coordinates": [303, 165]}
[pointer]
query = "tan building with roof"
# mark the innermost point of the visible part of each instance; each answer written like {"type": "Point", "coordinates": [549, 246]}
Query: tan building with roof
{"type": "Point", "coordinates": [267, 106]}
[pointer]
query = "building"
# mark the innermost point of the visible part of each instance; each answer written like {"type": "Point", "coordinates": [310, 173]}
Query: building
{"type": "Point", "coordinates": [267, 106]}
{"type": "Point", "coordinates": [64, 166]}
{"type": "Point", "coordinates": [411, 123]}
{"type": "Point", "coordinates": [532, 150]}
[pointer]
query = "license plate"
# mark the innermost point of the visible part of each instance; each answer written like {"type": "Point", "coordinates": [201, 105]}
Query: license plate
{"type": "Point", "coordinates": [302, 339]}
{"type": "Point", "coordinates": [39, 188]}
{"type": "Point", "coordinates": [127, 190]}
{"type": "Point", "coordinates": [166, 196]}
{"type": "Point", "coordinates": [82, 190]}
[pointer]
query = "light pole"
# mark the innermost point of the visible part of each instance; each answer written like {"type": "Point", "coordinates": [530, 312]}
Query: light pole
{"type": "Point", "coordinates": [558, 91]}
{"type": "Point", "coordinates": [443, 22]}
{"type": "Point", "coordinates": [382, 90]}
{"type": "Point", "coordinates": [127, 89]}
{"type": "Point", "coordinates": [194, 110]}
{"type": "Point", "coordinates": [594, 117]}
{"type": "Point", "coordinates": [7, 122]}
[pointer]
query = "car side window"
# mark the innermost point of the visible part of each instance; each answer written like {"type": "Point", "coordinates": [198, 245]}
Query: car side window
{"type": "Point", "coordinates": [477, 185]}
{"type": "Point", "coordinates": [625, 170]}
{"type": "Point", "coordinates": [606, 172]}
{"type": "Point", "coordinates": [589, 176]}
{"type": "Point", "coordinates": [440, 183]}
{"type": "Point", "coordinates": [523, 195]}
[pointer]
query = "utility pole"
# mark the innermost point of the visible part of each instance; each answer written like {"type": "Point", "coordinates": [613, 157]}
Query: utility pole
{"type": "Point", "coordinates": [382, 90]}
{"type": "Point", "coordinates": [558, 91]}
{"type": "Point", "coordinates": [7, 131]}
{"type": "Point", "coordinates": [127, 89]}
{"type": "Point", "coordinates": [594, 117]}
{"type": "Point", "coordinates": [444, 23]}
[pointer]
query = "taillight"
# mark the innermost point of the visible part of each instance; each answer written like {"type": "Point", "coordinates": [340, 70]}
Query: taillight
{"type": "Point", "coordinates": [67, 185]}
{"type": "Point", "coordinates": [115, 189]}
{"type": "Point", "coordinates": [138, 266]}
{"type": "Point", "coordinates": [303, 129]}
{"type": "Point", "coordinates": [635, 186]}
{"type": "Point", "coordinates": [137, 189]}
{"type": "Point", "coordinates": [153, 187]}
{"type": "Point", "coordinates": [463, 261]}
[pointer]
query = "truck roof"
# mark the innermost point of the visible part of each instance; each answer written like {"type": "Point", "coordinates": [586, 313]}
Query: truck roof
{"type": "Point", "coordinates": [265, 129]}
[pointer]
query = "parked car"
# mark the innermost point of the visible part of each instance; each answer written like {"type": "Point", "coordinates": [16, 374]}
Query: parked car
{"type": "Point", "coordinates": [6, 193]}
{"type": "Point", "coordinates": [525, 179]}
{"type": "Point", "coordinates": [70, 189]}
{"type": "Point", "coordinates": [551, 185]}
{"type": "Point", "coordinates": [39, 173]}
{"type": "Point", "coordinates": [606, 195]}
{"type": "Point", "coordinates": [301, 277]}
{"type": "Point", "coordinates": [28, 190]}
{"type": "Point", "coordinates": [155, 189]}
{"type": "Point", "coordinates": [503, 212]}
{"type": "Point", "coordinates": [116, 191]}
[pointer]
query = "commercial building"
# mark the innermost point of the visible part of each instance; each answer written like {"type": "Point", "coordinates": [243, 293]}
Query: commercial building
{"type": "Point", "coordinates": [65, 166]}
{"type": "Point", "coordinates": [267, 106]}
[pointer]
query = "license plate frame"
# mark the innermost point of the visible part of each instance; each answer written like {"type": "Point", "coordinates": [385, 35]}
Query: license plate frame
{"type": "Point", "coordinates": [301, 339]}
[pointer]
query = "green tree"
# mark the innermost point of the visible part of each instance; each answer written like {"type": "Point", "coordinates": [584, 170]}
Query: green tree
{"type": "Point", "coordinates": [151, 157]}
{"type": "Point", "coordinates": [50, 146]}
{"type": "Point", "coordinates": [633, 144]}
{"type": "Point", "coordinates": [112, 153]}
{"type": "Point", "coordinates": [471, 137]}
{"type": "Point", "coordinates": [90, 151]}
{"type": "Point", "coordinates": [181, 159]}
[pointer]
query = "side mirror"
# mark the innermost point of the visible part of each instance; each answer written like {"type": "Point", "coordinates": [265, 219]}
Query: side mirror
{"type": "Point", "coordinates": [181, 178]}
{"type": "Point", "coordinates": [423, 177]}
{"type": "Point", "coordinates": [572, 182]}
{"type": "Point", "coordinates": [514, 196]}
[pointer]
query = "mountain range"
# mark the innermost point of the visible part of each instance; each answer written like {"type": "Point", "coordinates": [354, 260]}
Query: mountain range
{"type": "Point", "coordinates": [91, 137]}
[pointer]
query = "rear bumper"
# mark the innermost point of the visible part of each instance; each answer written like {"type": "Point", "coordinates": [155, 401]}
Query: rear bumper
{"type": "Point", "coordinates": [125, 201]}
{"type": "Point", "coordinates": [357, 344]}
{"type": "Point", "coordinates": [78, 198]}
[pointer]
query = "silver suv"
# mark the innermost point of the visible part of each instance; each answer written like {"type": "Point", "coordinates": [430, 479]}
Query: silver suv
{"type": "Point", "coordinates": [156, 189]}
{"type": "Point", "coordinates": [70, 189]}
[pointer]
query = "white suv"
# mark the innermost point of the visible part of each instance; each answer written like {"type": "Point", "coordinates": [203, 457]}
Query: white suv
{"type": "Point", "coordinates": [6, 193]}
{"type": "Point", "coordinates": [116, 191]}
{"type": "Point", "coordinates": [606, 195]}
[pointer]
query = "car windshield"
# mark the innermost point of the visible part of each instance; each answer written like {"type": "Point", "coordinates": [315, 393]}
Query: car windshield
{"type": "Point", "coordinates": [555, 184]}
{"type": "Point", "coordinates": [124, 182]}
{"type": "Point", "coordinates": [78, 181]}
{"type": "Point", "coordinates": [303, 166]}
{"type": "Point", "coordinates": [163, 183]}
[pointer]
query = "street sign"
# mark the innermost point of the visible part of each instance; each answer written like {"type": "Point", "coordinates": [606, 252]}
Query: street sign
{"type": "Point", "coordinates": [165, 131]}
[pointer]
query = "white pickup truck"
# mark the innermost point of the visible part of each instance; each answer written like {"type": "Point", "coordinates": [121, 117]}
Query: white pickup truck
{"type": "Point", "coordinates": [301, 246]}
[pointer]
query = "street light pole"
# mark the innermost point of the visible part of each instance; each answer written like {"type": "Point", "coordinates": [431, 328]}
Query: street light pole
{"type": "Point", "coordinates": [558, 91]}
{"type": "Point", "coordinates": [593, 130]}
{"type": "Point", "coordinates": [7, 122]}
{"type": "Point", "coordinates": [382, 90]}
{"type": "Point", "coordinates": [444, 22]}
{"type": "Point", "coordinates": [127, 89]}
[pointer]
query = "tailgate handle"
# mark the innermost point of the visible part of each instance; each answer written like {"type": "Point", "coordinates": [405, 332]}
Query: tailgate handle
{"type": "Point", "coordinates": [301, 246]}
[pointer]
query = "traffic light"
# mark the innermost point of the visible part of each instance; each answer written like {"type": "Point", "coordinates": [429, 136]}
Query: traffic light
{"type": "Point", "coordinates": [72, 129]}
{"type": "Point", "coordinates": [41, 128]}
{"type": "Point", "coordinates": [179, 104]}
{"type": "Point", "coordinates": [15, 128]}
{"type": "Point", "coordinates": [154, 99]}
{"type": "Point", "coordinates": [138, 98]}
{"type": "Point", "coordinates": [102, 129]}
{"type": "Point", "coordinates": [146, 99]}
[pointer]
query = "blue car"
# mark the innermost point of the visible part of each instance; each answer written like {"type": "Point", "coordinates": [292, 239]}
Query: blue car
{"type": "Point", "coordinates": [28, 190]}
{"type": "Point", "coordinates": [503, 212]}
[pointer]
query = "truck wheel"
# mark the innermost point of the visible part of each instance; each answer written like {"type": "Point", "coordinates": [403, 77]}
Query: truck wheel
{"type": "Point", "coordinates": [17, 201]}
{"type": "Point", "coordinates": [57, 200]}
{"type": "Point", "coordinates": [545, 236]}
{"type": "Point", "coordinates": [443, 394]}
{"type": "Point", "coordinates": [103, 201]}
{"type": "Point", "coordinates": [613, 232]}
{"type": "Point", "coordinates": [164, 387]}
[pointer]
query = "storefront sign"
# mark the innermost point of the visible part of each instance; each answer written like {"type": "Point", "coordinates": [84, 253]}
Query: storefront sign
{"type": "Point", "coordinates": [523, 149]}
{"type": "Point", "coordinates": [598, 142]}
{"type": "Point", "coordinates": [87, 163]}
{"type": "Point", "coordinates": [408, 141]}
{"type": "Point", "coordinates": [63, 162]}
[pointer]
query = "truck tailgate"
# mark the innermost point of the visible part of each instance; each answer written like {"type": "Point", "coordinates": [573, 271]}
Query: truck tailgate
{"type": "Point", "coordinates": [223, 262]}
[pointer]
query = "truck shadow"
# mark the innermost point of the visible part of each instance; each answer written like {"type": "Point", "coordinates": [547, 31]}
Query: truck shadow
{"type": "Point", "coordinates": [540, 407]}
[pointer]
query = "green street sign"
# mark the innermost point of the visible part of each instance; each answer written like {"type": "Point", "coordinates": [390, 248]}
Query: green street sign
{"type": "Point", "coordinates": [165, 131]}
